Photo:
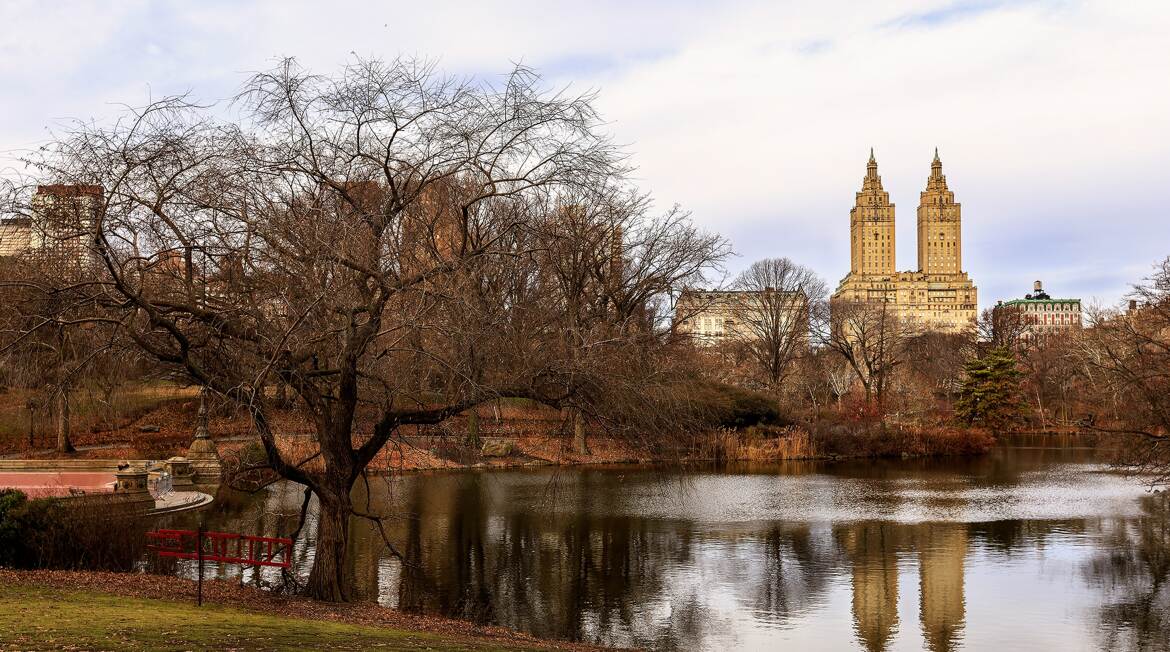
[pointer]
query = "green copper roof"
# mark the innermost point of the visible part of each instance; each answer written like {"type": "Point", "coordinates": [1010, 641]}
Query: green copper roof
{"type": "Point", "coordinates": [1041, 301]}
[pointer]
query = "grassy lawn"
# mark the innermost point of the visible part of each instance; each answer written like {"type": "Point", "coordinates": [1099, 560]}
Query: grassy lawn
{"type": "Point", "coordinates": [38, 618]}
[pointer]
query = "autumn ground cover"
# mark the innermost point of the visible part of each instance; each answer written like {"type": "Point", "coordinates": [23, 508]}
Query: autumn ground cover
{"type": "Point", "coordinates": [43, 610]}
{"type": "Point", "coordinates": [98, 416]}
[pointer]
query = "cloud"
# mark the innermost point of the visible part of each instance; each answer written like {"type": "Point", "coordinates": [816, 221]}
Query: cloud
{"type": "Point", "coordinates": [1051, 117]}
{"type": "Point", "coordinates": [937, 16]}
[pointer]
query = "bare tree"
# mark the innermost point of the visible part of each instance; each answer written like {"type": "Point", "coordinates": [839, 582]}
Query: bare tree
{"type": "Point", "coordinates": [611, 268]}
{"type": "Point", "coordinates": [935, 362]}
{"type": "Point", "coordinates": [1052, 375]}
{"type": "Point", "coordinates": [1003, 326]}
{"type": "Point", "coordinates": [870, 338]}
{"type": "Point", "coordinates": [373, 242]}
{"type": "Point", "coordinates": [774, 316]}
{"type": "Point", "coordinates": [1126, 356]}
{"type": "Point", "coordinates": [839, 376]}
{"type": "Point", "coordinates": [42, 341]}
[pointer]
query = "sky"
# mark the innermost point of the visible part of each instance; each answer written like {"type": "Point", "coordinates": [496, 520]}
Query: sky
{"type": "Point", "coordinates": [1052, 118]}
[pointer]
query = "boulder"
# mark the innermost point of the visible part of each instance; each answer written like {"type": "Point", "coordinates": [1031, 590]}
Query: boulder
{"type": "Point", "coordinates": [498, 448]}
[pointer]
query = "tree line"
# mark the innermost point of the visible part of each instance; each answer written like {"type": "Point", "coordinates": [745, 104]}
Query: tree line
{"type": "Point", "coordinates": [1110, 376]}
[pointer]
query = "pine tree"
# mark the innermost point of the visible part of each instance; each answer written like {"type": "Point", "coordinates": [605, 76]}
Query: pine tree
{"type": "Point", "coordinates": [990, 393]}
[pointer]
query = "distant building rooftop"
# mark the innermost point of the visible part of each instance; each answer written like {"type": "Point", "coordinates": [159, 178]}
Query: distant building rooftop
{"type": "Point", "coordinates": [70, 190]}
{"type": "Point", "coordinates": [1038, 295]}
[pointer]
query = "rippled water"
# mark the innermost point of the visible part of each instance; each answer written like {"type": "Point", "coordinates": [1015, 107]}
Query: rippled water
{"type": "Point", "coordinates": [1025, 549]}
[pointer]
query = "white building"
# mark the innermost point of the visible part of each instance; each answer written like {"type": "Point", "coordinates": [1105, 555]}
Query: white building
{"type": "Point", "coordinates": [1045, 315]}
{"type": "Point", "coordinates": [711, 317]}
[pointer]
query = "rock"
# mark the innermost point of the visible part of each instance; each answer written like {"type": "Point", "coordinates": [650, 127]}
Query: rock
{"type": "Point", "coordinates": [149, 428]}
{"type": "Point", "coordinates": [498, 448]}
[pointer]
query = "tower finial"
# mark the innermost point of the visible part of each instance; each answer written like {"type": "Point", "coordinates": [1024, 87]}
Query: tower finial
{"type": "Point", "coordinates": [871, 167]}
{"type": "Point", "coordinates": [936, 153]}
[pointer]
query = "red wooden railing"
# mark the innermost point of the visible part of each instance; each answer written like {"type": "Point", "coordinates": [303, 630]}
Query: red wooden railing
{"type": "Point", "coordinates": [221, 547]}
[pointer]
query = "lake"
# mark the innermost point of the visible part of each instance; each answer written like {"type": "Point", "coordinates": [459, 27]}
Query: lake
{"type": "Point", "coordinates": [1028, 548]}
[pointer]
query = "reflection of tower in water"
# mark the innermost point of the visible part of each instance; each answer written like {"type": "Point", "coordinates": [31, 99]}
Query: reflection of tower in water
{"type": "Point", "coordinates": [872, 549]}
{"type": "Point", "coordinates": [941, 550]}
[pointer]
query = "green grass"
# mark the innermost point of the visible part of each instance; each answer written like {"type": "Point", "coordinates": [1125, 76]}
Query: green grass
{"type": "Point", "coordinates": [38, 618]}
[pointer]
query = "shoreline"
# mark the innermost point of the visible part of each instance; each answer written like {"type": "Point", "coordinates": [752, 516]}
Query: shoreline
{"type": "Point", "coordinates": [416, 454]}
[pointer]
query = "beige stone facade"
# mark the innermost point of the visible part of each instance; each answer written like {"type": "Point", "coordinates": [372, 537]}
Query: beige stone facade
{"type": "Point", "coordinates": [59, 227]}
{"type": "Point", "coordinates": [939, 295]}
{"type": "Point", "coordinates": [16, 236]}
{"type": "Point", "coordinates": [715, 316]}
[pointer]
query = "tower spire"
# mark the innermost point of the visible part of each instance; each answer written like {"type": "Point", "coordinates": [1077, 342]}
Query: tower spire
{"type": "Point", "coordinates": [871, 225]}
{"type": "Point", "coordinates": [939, 236]}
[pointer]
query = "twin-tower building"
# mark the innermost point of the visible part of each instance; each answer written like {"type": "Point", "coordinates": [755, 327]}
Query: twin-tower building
{"type": "Point", "coordinates": [939, 295]}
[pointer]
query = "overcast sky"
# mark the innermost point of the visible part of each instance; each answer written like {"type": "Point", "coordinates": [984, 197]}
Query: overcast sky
{"type": "Point", "coordinates": [1052, 118]}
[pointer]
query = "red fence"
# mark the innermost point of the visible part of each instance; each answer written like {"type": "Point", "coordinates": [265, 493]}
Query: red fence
{"type": "Point", "coordinates": [224, 547]}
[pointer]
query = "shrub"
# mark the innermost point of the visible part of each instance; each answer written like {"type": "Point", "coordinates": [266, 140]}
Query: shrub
{"type": "Point", "coordinates": [11, 501]}
{"type": "Point", "coordinates": [886, 441]}
{"type": "Point", "coordinates": [727, 406]}
{"type": "Point", "coordinates": [48, 533]}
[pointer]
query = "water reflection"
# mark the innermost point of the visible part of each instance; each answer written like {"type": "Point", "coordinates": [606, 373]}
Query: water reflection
{"type": "Point", "coordinates": [1027, 548]}
{"type": "Point", "coordinates": [873, 549]}
{"type": "Point", "coordinates": [1132, 569]}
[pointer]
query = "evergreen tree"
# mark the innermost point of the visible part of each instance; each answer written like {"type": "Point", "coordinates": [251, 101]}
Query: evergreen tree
{"type": "Point", "coordinates": [990, 393]}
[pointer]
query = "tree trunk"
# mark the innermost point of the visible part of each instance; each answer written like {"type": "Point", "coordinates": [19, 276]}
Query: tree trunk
{"type": "Point", "coordinates": [580, 444]}
{"type": "Point", "coordinates": [1040, 411]}
{"type": "Point", "coordinates": [31, 426]}
{"type": "Point", "coordinates": [329, 577]}
{"type": "Point", "coordinates": [64, 443]}
{"type": "Point", "coordinates": [473, 428]}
